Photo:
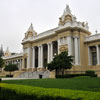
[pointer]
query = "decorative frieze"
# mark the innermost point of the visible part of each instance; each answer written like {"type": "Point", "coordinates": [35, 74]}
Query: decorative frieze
{"type": "Point", "coordinates": [63, 48]}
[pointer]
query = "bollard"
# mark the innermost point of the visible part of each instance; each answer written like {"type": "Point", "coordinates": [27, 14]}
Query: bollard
{"type": "Point", "coordinates": [0, 80]}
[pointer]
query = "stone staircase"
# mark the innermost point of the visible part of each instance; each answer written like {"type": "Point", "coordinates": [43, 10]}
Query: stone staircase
{"type": "Point", "coordinates": [2, 73]}
{"type": "Point", "coordinates": [35, 74]}
{"type": "Point", "coordinates": [17, 73]}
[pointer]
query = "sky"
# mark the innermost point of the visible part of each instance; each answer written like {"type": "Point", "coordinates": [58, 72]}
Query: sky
{"type": "Point", "coordinates": [17, 15]}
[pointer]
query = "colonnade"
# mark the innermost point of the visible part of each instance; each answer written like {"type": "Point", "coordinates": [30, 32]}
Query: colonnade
{"type": "Point", "coordinates": [40, 55]}
{"type": "Point", "coordinates": [30, 60]}
{"type": "Point", "coordinates": [74, 49]}
{"type": "Point", "coordinates": [67, 40]}
{"type": "Point", "coordinates": [15, 61]}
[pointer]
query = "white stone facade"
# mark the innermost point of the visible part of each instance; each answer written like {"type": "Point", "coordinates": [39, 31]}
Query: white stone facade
{"type": "Point", "coordinates": [70, 35]}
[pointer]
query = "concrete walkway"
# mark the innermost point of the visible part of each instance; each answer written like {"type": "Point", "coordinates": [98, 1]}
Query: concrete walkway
{"type": "Point", "coordinates": [16, 78]}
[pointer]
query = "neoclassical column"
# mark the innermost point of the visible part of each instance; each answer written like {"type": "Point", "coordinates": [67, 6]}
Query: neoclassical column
{"type": "Point", "coordinates": [48, 44]}
{"type": "Point", "coordinates": [20, 64]}
{"type": "Point", "coordinates": [58, 46]}
{"type": "Point", "coordinates": [98, 54]}
{"type": "Point", "coordinates": [41, 61]}
{"type": "Point", "coordinates": [89, 56]}
{"type": "Point", "coordinates": [69, 45]}
{"type": "Point", "coordinates": [51, 47]}
{"type": "Point", "coordinates": [76, 51]}
{"type": "Point", "coordinates": [28, 57]}
{"type": "Point", "coordinates": [39, 56]}
{"type": "Point", "coordinates": [33, 61]}
{"type": "Point", "coordinates": [23, 63]}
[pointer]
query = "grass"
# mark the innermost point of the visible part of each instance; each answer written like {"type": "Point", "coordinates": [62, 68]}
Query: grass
{"type": "Point", "coordinates": [86, 84]}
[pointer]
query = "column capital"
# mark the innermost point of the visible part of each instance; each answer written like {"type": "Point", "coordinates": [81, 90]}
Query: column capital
{"type": "Point", "coordinates": [97, 45]}
{"type": "Point", "coordinates": [69, 36]}
{"type": "Point", "coordinates": [33, 47]}
{"type": "Point", "coordinates": [40, 45]}
{"type": "Point", "coordinates": [49, 43]}
{"type": "Point", "coordinates": [58, 40]}
{"type": "Point", "coordinates": [75, 37]}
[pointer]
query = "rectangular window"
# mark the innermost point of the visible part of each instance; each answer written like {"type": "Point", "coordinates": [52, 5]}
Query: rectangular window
{"type": "Point", "coordinates": [94, 58]}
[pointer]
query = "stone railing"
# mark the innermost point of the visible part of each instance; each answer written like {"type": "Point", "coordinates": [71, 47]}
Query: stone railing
{"type": "Point", "coordinates": [52, 31]}
{"type": "Point", "coordinates": [47, 33]}
{"type": "Point", "coordinates": [75, 24]}
{"type": "Point", "coordinates": [41, 35]}
{"type": "Point", "coordinates": [13, 56]}
{"type": "Point", "coordinates": [92, 38]}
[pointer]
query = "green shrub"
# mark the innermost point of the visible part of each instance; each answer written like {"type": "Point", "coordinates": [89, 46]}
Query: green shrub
{"type": "Point", "coordinates": [90, 73]}
{"type": "Point", "coordinates": [69, 75]}
{"type": "Point", "coordinates": [20, 92]}
{"type": "Point", "coordinates": [82, 77]}
{"type": "Point", "coordinates": [9, 75]}
{"type": "Point", "coordinates": [87, 73]}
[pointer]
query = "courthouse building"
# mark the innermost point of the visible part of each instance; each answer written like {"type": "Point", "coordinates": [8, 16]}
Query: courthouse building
{"type": "Point", "coordinates": [70, 35]}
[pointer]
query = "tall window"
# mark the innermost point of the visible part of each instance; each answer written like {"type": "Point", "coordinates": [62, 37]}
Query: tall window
{"type": "Point", "coordinates": [94, 55]}
{"type": "Point", "coordinates": [94, 58]}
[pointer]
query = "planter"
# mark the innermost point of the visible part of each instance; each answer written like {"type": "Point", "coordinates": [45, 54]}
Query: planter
{"type": "Point", "coordinates": [9, 75]}
{"type": "Point", "coordinates": [40, 76]}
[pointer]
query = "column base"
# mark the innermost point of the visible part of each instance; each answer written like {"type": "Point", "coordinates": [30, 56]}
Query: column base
{"type": "Point", "coordinates": [41, 69]}
{"type": "Point", "coordinates": [34, 69]}
{"type": "Point", "coordinates": [29, 69]}
{"type": "Point", "coordinates": [23, 69]}
{"type": "Point", "coordinates": [98, 65]}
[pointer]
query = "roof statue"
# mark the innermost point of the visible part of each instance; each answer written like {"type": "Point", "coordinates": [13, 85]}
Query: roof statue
{"type": "Point", "coordinates": [30, 32]}
{"type": "Point", "coordinates": [67, 16]}
{"type": "Point", "coordinates": [68, 19]}
{"type": "Point", "coordinates": [31, 27]}
{"type": "Point", "coordinates": [67, 10]}
{"type": "Point", "coordinates": [7, 53]}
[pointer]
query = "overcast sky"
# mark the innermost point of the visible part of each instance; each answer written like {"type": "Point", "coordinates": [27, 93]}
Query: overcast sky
{"type": "Point", "coordinates": [16, 16]}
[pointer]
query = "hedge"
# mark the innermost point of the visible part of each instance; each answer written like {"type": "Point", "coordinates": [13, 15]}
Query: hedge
{"type": "Point", "coordinates": [22, 92]}
{"type": "Point", "coordinates": [69, 75]}
{"type": "Point", "coordinates": [91, 73]}
{"type": "Point", "coordinates": [87, 73]}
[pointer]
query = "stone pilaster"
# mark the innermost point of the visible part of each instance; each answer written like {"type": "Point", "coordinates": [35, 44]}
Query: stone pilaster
{"type": "Point", "coordinates": [58, 46]}
{"type": "Point", "coordinates": [76, 51]}
{"type": "Point", "coordinates": [89, 56]}
{"type": "Point", "coordinates": [29, 57]}
{"type": "Point", "coordinates": [69, 45]}
{"type": "Point", "coordinates": [33, 61]}
{"type": "Point", "coordinates": [98, 54]}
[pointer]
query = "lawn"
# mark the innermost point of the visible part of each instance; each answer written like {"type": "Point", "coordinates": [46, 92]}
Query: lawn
{"type": "Point", "coordinates": [89, 84]}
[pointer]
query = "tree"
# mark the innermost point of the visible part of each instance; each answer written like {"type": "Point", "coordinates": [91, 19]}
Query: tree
{"type": "Point", "coordinates": [1, 63]}
{"type": "Point", "coordinates": [1, 51]}
{"type": "Point", "coordinates": [11, 68]}
{"type": "Point", "coordinates": [61, 62]}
